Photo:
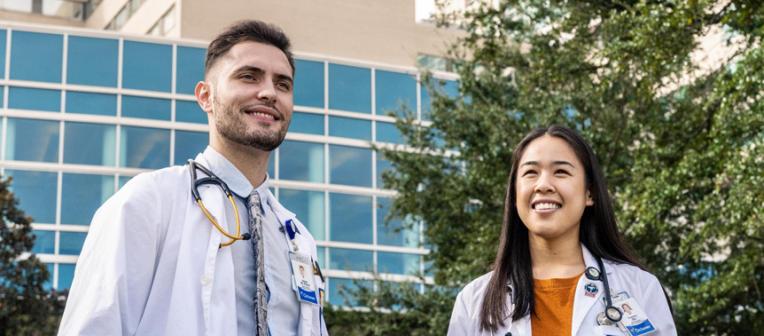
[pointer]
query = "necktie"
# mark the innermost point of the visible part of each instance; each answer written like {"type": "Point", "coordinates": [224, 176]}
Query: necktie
{"type": "Point", "coordinates": [256, 228]}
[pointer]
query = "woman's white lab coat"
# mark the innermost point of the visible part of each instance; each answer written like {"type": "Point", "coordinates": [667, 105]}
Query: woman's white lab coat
{"type": "Point", "coordinates": [640, 285]}
{"type": "Point", "coordinates": [151, 264]}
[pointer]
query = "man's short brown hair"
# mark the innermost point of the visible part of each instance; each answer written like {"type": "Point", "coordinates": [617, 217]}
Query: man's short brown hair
{"type": "Point", "coordinates": [248, 30]}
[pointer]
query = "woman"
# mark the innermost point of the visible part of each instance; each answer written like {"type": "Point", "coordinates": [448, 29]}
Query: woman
{"type": "Point", "coordinates": [560, 254]}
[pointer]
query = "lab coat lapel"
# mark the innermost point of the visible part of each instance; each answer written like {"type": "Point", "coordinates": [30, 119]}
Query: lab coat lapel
{"type": "Point", "coordinates": [303, 246]}
{"type": "Point", "coordinates": [583, 303]}
{"type": "Point", "coordinates": [218, 292]}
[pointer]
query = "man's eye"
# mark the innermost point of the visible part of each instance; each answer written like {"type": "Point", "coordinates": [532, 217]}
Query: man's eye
{"type": "Point", "coordinates": [284, 86]}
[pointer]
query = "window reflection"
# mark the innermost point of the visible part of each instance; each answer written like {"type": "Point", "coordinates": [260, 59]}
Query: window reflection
{"type": "Point", "coordinates": [349, 88]}
{"type": "Point", "coordinates": [36, 56]}
{"type": "Point", "coordinates": [145, 107]}
{"type": "Point", "coordinates": [350, 165]}
{"type": "Point", "coordinates": [91, 103]}
{"type": "Point", "coordinates": [350, 218]}
{"type": "Point", "coordinates": [309, 83]}
{"type": "Point", "coordinates": [82, 194]}
{"type": "Point", "coordinates": [394, 232]}
{"type": "Point", "coordinates": [32, 140]}
{"type": "Point", "coordinates": [309, 208]}
{"type": "Point", "coordinates": [350, 128]}
{"type": "Point", "coordinates": [350, 260]}
{"type": "Point", "coordinates": [190, 69]}
{"type": "Point", "coordinates": [92, 144]}
{"type": "Point", "coordinates": [147, 66]}
{"type": "Point", "coordinates": [36, 193]}
{"type": "Point", "coordinates": [34, 99]}
{"type": "Point", "coordinates": [143, 147]}
{"type": "Point", "coordinates": [398, 263]}
{"type": "Point", "coordinates": [83, 68]}
{"type": "Point", "coordinates": [394, 92]}
{"type": "Point", "coordinates": [70, 243]}
{"type": "Point", "coordinates": [301, 161]}
{"type": "Point", "coordinates": [188, 144]}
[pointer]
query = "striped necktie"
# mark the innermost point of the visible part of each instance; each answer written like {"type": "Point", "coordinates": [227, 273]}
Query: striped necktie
{"type": "Point", "coordinates": [256, 228]}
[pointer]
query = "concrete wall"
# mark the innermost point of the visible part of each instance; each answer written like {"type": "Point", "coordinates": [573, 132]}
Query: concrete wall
{"type": "Point", "coordinates": [29, 18]}
{"type": "Point", "coordinates": [381, 31]}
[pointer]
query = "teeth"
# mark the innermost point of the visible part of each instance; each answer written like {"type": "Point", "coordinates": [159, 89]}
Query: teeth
{"type": "Point", "coordinates": [546, 206]}
{"type": "Point", "coordinates": [263, 115]}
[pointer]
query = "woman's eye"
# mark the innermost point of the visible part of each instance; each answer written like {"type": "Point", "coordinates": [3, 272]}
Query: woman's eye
{"type": "Point", "coordinates": [529, 173]}
{"type": "Point", "coordinates": [561, 172]}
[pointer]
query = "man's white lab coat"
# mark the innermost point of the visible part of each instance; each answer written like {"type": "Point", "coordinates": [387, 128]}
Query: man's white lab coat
{"type": "Point", "coordinates": [151, 264]}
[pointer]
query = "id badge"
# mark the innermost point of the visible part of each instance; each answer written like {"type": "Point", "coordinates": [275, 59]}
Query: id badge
{"type": "Point", "coordinates": [634, 318]}
{"type": "Point", "coordinates": [302, 277]}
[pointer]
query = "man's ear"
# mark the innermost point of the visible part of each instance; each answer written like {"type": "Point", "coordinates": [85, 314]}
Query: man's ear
{"type": "Point", "coordinates": [203, 93]}
{"type": "Point", "coordinates": [589, 199]}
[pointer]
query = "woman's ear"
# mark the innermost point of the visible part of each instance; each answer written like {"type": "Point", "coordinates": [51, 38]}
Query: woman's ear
{"type": "Point", "coordinates": [589, 199]}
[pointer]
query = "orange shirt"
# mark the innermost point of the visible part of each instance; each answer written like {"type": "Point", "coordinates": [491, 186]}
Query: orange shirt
{"type": "Point", "coordinates": [554, 306]}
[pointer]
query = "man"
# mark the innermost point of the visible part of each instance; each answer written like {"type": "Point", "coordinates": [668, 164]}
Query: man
{"type": "Point", "coordinates": [160, 261]}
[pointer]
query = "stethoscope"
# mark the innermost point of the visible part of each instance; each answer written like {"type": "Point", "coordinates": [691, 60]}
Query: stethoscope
{"type": "Point", "coordinates": [211, 178]}
{"type": "Point", "coordinates": [611, 312]}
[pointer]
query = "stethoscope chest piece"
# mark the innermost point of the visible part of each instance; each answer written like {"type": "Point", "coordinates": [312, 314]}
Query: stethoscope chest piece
{"type": "Point", "coordinates": [592, 273]}
{"type": "Point", "coordinates": [613, 314]}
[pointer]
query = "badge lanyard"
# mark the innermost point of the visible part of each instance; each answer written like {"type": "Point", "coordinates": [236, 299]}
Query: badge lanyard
{"type": "Point", "coordinates": [303, 266]}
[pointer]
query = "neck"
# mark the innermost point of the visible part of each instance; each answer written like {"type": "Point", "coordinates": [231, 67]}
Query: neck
{"type": "Point", "coordinates": [556, 258]}
{"type": "Point", "coordinates": [250, 161]}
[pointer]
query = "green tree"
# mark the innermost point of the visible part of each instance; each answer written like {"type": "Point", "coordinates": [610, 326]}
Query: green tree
{"type": "Point", "coordinates": [682, 149]}
{"type": "Point", "coordinates": [26, 307]}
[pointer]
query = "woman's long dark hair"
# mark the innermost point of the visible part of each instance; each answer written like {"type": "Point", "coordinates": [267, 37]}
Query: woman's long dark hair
{"type": "Point", "coordinates": [598, 232]}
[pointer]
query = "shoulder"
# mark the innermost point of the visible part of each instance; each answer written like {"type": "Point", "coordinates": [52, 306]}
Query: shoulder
{"type": "Point", "coordinates": [471, 296]}
{"type": "Point", "coordinates": [632, 274]}
{"type": "Point", "coordinates": [149, 189]}
{"type": "Point", "coordinates": [477, 286]}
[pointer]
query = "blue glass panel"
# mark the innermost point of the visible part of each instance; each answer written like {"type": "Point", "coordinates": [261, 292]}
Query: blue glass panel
{"type": "Point", "coordinates": [145, 107]}
{"type": "Point", "coordinates": [301, 161]}
{"type": "Point", "coordinates": [44, 242]}
{"type": "Point", "coordinates": [309, 123]}
{"type": "Point", "coordinates": [394, 92]}
{"type": "Point", "coordinates": [350, 260]}
{"type": "Point", "coordinates": [190, 63]}
{"type": "Point", "coordinates": [36, 56]}
{"type": "Point", "coordinates": [70, 243]}
{"type": "Point", "coordinates": [65, 276]}
{"type": "Point", "coordinates": [83, 68]}
{"type": "Point", "coordinates": [91, 103]}
{"type": "Point", "coordinates": [2, 53]}
{"type": "Point", "coordinates": [394, 232]}
{"type": "Point", "coordinates": [123, 180]}
{"type": "Point", "coordinates": [350, 128]}
{"type": "Point", "coordinates": [350, 165]}
{"type": "Point", "coordinates": [34, 99]}
{"type": "Point", "coordinates": [48, 284]}
{"type": "Point", "coordinates": [93, 144]}
{"type": "Point", "coordinates": [36, 193]}
{"type": "Point", "coordinates": [387, 132]}
{"type": "Point", "coordinates": [147, 66]}
{"type": "Point", "coordinates": [444, 87]}
{"type": "Point", "coordinates": [82, 194]}
{"type": "Point", "coordinates": [309, 83]}
{"type": "Point", "coordinates": [321, 257]}
{"type": "Point", "coordinates": [143, 147]}
{"type": "Point", "coordinates": [349, 88]}
{"type": "Point", "coordinates": [32, 140]}
{"type": "Point", "coordinates": [350, 218]}
{"type": "Point", "coordinates": [398, 263]}
{"type": "Point", "coordinates": [272, 165]}
{"type": "Point", "coordinates": [339, 291]}
{"type": "Point", "coordinates": [189, 111]}
{"type": "Point", "coordinates": [2, 96]}
{"type": "Point", "coordinates": [188, 145]}
{"type": "Point", "coordinates": [309, 208]}
{"type": "Point", "coordinates": [383, 165]}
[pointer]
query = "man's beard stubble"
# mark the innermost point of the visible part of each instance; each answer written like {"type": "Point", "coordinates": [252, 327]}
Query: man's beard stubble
{"type": "Point", "coordinates": [230, 125]}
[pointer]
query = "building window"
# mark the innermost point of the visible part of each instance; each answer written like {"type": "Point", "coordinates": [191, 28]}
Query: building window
{"type": "Point", "coordinates": [147, 66]}
{"type": "Point", "coordinates": [143, 147]}
{"type": "Point", "coordinates": [83, 68]}
{"type": "Point", "coordinates": [301, 161]}
{"type": "Point", "coordinates": [36, 56]}
{"type": "Point", "coordinates": [350, 165]}
{"type": "Point", "coordinates": [165, 24]}
{"type": "Point", "coordinates": [309, 83]}
{"type": "Point", "coordinates": [82, 194]}
{"type": "Point", "coordinates": [90, 144]}
{"type": "Point", "coordinates": [349, 88]}
{"type": "Point", "coordinates": [36, 192]}
{"type": "Point", "coordinates": [32, 140]}
{"type": "Point", "coordinates": [308, 206]}
{"type": "Point", "coordinates": [124, 14]}
{"type": "Point", "coordinates": [350, 218]}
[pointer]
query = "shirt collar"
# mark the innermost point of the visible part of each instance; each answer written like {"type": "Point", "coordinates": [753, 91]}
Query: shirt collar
{"type": "Point", "coordinates": [226, 171]}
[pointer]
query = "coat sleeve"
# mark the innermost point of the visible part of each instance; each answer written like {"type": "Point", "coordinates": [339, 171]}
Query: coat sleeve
{"type": "Point", "coordinates": [657, 308]}
{"type": "Point", "coordinates": [114, 272]}
{"type": "Point", "coordinates": [460, 323]}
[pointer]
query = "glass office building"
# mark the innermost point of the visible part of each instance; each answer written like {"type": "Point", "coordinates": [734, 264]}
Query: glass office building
{"type": "Point", "coordinates": [84, 111]}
